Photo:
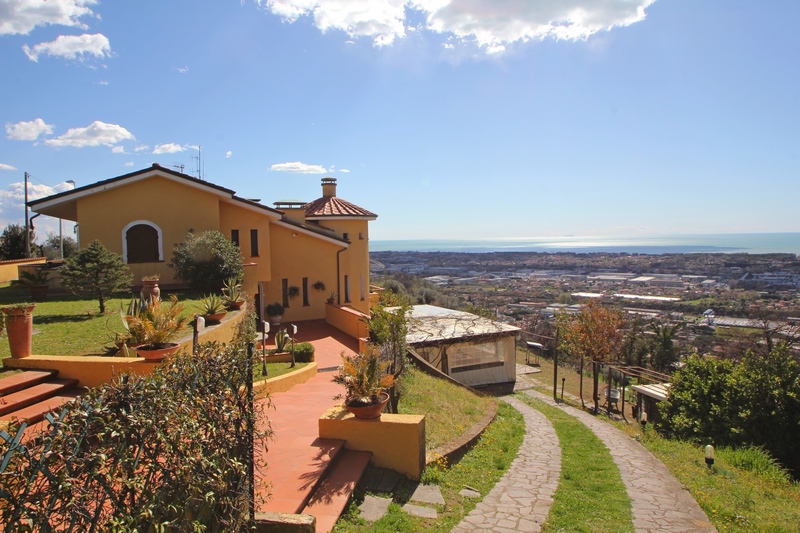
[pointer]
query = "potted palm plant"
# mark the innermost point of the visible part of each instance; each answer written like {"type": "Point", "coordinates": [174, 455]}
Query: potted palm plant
{"type": "Point", "coordinates": [365, 379]}
{"type": "Point", "coordinates": [232, 293]}
{"type": "Point", "coordinates": [158, 324]}
{"type": "Point", "coordinates": [212, 308]}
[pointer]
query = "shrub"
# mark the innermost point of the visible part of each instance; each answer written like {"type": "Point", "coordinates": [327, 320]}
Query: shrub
{"type": "Point", "coordinates": [304, 352]}
{"type": "Point", "coordinates": [205, 262]}
{"type": "Point", "coordinates": [752, 403]}
{"type": "Point", "coordinates": [120, 467]}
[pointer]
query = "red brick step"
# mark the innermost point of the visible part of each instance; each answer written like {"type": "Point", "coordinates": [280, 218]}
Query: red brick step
{"type": "Point", "coordinates": [291, 491]}
{"type": "Point", "coordinates": [25, 379]}
{"type": "Point", "coordinates": [331, 497]}
{"type": "Point", "coordinates": [34, 394]}
{"type": "Point", "coordinates": [35, 413]}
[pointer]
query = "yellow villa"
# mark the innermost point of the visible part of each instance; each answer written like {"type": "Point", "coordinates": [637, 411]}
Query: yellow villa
{"type": "Point", "coordinates": [292, 248]}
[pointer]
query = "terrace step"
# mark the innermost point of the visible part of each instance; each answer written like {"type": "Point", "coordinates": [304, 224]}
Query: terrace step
{"type": "Point", "coordinates": [292, 490]}
{"type": "Point", "coordinates": [33, 394]}
{"type": "Point", "coordinates": [35, 413]}
{"type": "Point", "coordinates": [331, 496]}
{"type": "Point", "coordinates": [25, 379]}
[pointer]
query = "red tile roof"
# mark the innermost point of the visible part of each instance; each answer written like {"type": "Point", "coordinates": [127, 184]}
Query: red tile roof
{"type": "Point", "coordinates": [335, 206]}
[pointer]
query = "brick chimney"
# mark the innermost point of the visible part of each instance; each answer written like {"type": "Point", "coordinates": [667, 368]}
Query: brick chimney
{"type": "Point", "coordinates": [328, 187]}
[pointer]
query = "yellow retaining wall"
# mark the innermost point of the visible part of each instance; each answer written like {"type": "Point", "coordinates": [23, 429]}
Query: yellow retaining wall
{"type": "Point", "coordinates": [286, 381]}
{"type": "Point", "coordinates": [397, 442]}
{"type": "Point", "coordinates": [93, 371]}
{"type": "Point", "coordinates": [346, 319]}
{"type": "Point", "coordinates": [9, 270]}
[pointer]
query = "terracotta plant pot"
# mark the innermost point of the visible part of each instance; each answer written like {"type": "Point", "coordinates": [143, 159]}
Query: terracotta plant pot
{"type": "Point", "coordinates": [235, 306]}
{"type": "Point", "coordinates": [215, 318]}
{"type": "Point", "coordinates": [19, 328]}
{"type": "Point", "coordinates": [157, 354]}
{"type": "Point", "coordinates": [150, 289]}
{"type": "Point", "coordinates": [369, 412]}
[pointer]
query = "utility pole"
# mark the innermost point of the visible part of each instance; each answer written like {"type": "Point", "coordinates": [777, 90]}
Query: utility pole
{"type": "Point", "coordinates": [27, 235]}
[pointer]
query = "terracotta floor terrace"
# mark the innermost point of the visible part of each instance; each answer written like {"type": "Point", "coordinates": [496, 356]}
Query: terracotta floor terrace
{"type": "Point", "coordinates": [296, 455]}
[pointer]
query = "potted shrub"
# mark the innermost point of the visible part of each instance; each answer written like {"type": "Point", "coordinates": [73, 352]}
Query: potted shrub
{"type": "Point", "coordinates": [19, 328]}
{"type": "Point", "coordinates": [150, 288]}
{"type": "Point", "coordinates": [365, 379]}
{"type": "Point", "coordinates": [158, 324]}
{"type": "Point", "coordinates": [275, 313]}
{"type": "Point", "coordinates": [212, 308]}
{"type": "Point", "coordinates": [293, 292]}
{"type": "Point", "coordinates": [36, 283]}
{"type": "Point", "coordinates": [331, 297]}
{"type": "Point", "coordinates": [319, 285]}
{"type": "Point", "coordinates": [232, 293]}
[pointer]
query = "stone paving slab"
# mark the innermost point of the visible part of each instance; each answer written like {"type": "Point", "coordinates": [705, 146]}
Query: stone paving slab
{"type": "Point", "coordinates": [419, 510]}
{"type": "Point", "coordinates": [374, 508]}
{"type": "Point", "coordinates": [427, 494]}
{"type": "Point", "coordinates": [659, 503]}
{"type": "Point", "coordinates": [521, 500]}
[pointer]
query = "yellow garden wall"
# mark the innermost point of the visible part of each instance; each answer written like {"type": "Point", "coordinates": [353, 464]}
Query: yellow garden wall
{"type": "Point", "coordinates": [397, 442]}
{"type": "Point", "coordinates": [286, 381]}
{"type": "Point", "coordinates": [92, 371]}
{"type": "Point", "coordinates": [347, 320]}
{"type": "Point", "coordinates": [9, 270]}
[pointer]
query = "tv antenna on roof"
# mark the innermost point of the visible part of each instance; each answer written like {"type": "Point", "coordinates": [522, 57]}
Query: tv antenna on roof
{"type": "Point", "coordinates": [199, 160]}
{"type": "Point", "coordinates": [179, 167]}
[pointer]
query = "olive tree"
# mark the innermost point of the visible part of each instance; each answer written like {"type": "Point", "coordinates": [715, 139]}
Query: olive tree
{"type": "Point", "coordinates": [206, 261]}
{"type": "Point", "coordinates": [96, 271]}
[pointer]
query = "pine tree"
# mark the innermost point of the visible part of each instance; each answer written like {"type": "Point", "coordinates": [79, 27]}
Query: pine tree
{"type": "Point", "coordinates": [96, 271]}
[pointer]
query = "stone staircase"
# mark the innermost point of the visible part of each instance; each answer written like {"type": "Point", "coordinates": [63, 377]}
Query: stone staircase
{"type": "Point", "coordinates": [28, 396]}
{"type": "Point", "coordinates": [319, 484]}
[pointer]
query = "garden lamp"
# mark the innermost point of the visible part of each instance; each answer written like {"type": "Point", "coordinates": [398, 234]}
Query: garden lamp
{"type": "Point", "coordinates": [709, 453]}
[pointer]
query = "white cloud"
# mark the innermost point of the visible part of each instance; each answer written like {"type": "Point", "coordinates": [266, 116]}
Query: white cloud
{"type": "Point", "coordinates": [182, 70]}
{"type": "Point", "coordinates": [3, 166]}
{"type": "Point", "coordinates": [118, 150]}
{"type": "Point", "coordinates": [96, 134]}
{"type": "Point", "coordinates": [72, 47]}
{"type": "Point", "coordinates": [21, 16]}
{"type": "Point", "coordinates": [12, 204]}
{"type": "Point", "coordinates": [344, 170]}
{"type": "Point", "coordinates": [382, 20]}
{"type": "Point", "coordinates": [168, 148]}
{"type": "Point", "coordinates": [492, 24]}
{"type": "Point", "coordinates": [141, 148]}
{"type": "Point", "coordinates": [228, 154]}
{"type": "Point", "coordinates": [298, 168]}
{"type": "Point", "coordinates": [129, 163]}
{"type": "Point", "coordinates": [28, 131]}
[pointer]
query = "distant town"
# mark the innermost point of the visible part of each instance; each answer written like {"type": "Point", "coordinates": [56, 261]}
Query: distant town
{"type": "Point", "coordinates": [725, 301]}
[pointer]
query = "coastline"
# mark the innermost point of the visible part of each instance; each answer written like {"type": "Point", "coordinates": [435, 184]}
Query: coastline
{"type": "Point", "coordinates": [750, 243]}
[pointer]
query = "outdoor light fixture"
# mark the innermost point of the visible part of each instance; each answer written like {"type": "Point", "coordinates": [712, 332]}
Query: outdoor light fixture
{"type": "Point", "coordinates": [709, 452]}
{"type": "Point", "coordinates": [264, 331]}
{"type": "Point", "coordinates": [294, 332]}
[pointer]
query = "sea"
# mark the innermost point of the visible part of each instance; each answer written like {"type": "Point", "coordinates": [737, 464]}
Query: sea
{"type": "Point", "coordinates": [751, 243]}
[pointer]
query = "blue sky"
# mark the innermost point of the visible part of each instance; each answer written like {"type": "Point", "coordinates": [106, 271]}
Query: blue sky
{"type": "Point", "coordinates": [448, 118]}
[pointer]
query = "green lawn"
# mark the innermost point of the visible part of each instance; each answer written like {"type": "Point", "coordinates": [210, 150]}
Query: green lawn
{"type": "Point", "coordinates": [481, 468]}
{"type": "Point", "coordinates": [591, 495]}
{"type": "Point", "coordinates": [69, 325]}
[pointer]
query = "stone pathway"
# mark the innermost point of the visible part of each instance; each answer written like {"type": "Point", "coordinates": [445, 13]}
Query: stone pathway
{"type": "Point", "coordinates": [521, 500]}
{"type": "Point", "coordinates": [659, 502]}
